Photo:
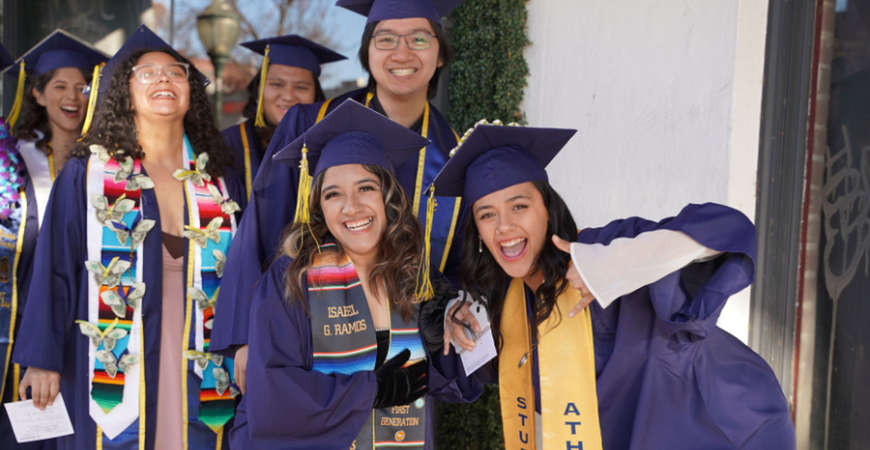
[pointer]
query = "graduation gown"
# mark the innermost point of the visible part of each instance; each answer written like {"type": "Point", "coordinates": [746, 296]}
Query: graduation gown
{"type": "Point", "coordinates": [58, 297]}
{"type": "Point", "coordinates": [23, 271]}
{"type": "Point", "coordinates": [272, 207]}
{"type": "Point", "coordinates": [248, 162]}
{"type": "Point", "coordinates": [667, 376]}
{"type": "Point", "coordinates": [290, 406]}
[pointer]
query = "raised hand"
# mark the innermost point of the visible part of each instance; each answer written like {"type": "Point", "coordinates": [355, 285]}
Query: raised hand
{"type": "Point", "coordinates": [573, 277]}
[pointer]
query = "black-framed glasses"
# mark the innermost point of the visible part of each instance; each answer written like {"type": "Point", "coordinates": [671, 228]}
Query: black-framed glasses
{"type": "Point", "coordinates": [149, 73]}
{"type": "Point", "coordinates": [418, 40]}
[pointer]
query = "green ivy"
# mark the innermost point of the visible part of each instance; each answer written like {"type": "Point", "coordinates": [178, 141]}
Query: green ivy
{"type": "Point", "coordinates": [487, 80]}
{"type": "Point", "coordinates": [488, 74]}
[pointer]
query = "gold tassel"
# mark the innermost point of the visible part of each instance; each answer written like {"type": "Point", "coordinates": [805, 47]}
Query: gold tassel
{"type": "Point", "coordinates": [424, 290]}
{"type": "Point", "coordinates": [303, 196]}
{"type": "Point", "coordinates": [92, 98]}
{"type": "Point", "coordinates": [19, 97]}
{"type": "Point", "coordinates": [302, 214]}
{"type": "Point", "coordinates": [260, 121]}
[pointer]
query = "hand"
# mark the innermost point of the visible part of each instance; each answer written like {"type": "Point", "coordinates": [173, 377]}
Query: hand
{"type": "Point", "coordinates": [399, 385]}
{"type": "Point", "coordinates": [240, 366]}
{"type": "Point", "coordinates": [574, 278]}
{"type": "Point", "coordinates": [431, 320]}
{"type": "Point", "coordinates": [459, 319]}
{"type": "Point", "coordinates": [43, 384]}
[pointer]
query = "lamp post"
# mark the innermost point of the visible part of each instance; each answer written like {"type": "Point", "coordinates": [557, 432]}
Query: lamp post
{"type": "Point", "coordinates": [218, 28]}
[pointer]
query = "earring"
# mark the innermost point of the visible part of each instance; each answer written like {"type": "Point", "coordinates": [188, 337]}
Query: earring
{"type": "Point", "coordinates": [479, 245]}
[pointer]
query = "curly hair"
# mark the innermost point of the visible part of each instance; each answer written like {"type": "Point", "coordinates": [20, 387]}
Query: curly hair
{"type": "Point", "coordinates": [484, 279]}
{"type": "Point", "coordinates": [445, 52]}
{"type": "Point", "coordinates": [399, 249]}
{"type": "Point", "coordinates": [264, 134]}
{"type": "Point", "coordinates": [34, 116]}
{"type": "Point", "coordinates": [115, 129]}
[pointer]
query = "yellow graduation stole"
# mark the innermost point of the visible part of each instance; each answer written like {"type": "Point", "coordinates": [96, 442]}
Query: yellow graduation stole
{"type": "Point", "coordinates": [569, 404]}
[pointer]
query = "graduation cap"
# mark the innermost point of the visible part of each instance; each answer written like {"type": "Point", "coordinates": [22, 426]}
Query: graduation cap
{"type": "Point", "coordinates": [288, 50]}
{"type": "Point", "coordinates": [377, 10]}
{"type": "Point", "coordinates": [352, 134]}
{"type": "Point", "coordinates": [494, 157]}
{"type": "Point", "coordinates": [58, 49]}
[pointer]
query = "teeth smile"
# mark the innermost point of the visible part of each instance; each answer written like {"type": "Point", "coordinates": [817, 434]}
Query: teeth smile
{"type": "Point", "coordinates": [161, 94]}
{"type": "Point", "coordinates": [70, 109]}
{"type": "Point", "coordinates": [403, 72]}
{"type": "Point", "coordinates": [356, 226]}
{"type": "Point", "coordinates": [512, 242]}
{"type": "Point", "coordinates": [513, 248]}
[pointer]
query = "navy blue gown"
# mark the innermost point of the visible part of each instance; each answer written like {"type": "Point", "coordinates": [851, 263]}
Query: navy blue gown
{"type": "Point", "coordinates": [667, 376]}
{"type": "Point", "coordinates": [50, 338]}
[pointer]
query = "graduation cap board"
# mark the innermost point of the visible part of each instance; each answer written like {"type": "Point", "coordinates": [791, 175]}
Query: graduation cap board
{"type": "Point", "coordinates": [289, 50]}
{"type": "Point", "coordinates": [494, 157]}
{"type": "Point", "coordinates": [58, 49]}
{"type": "Point", "coordinates": [377, 10]}
{"type": "Point", "coordinates": [353, 134]}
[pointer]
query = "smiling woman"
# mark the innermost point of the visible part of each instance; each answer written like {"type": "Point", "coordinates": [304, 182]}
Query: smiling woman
{"type": "Point", "coordinates": [356, 249]}
{"type": "Point", "coordinates": [137, 226]}
{"type": "Point", "coordinates": [616, 324]}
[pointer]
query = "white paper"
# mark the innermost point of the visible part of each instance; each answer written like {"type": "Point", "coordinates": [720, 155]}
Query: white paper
{"type": "Point", "coordinates": [484, 345]}
{"type": "Point", "coordinates": [31, 424]}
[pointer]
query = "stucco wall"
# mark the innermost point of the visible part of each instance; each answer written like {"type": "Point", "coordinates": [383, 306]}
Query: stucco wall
{"type": "Point", "coordinates": [666, 96]}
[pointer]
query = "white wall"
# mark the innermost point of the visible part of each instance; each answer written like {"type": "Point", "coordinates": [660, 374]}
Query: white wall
{"type": "Point", "coordinates": [666, 96]}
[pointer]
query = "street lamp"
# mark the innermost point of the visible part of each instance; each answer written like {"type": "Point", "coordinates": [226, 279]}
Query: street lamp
{"type": "Point", "coordinates": [218, 28]}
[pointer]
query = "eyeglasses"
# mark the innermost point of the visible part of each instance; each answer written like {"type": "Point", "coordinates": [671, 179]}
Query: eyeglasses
{"type": "Point", "coordinates": [418, 40]}
{"type": "Point", "coordinates": [150, 73]}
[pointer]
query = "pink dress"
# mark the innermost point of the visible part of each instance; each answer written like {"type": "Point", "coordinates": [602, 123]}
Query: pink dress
{"type": "Point", "coordinates": [169, 421]}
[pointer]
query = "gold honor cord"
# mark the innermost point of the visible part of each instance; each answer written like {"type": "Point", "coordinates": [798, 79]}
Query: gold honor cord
{"type": "Point", "coordinates": [92, 98]}
{"type": "Point", "coordinates": [247, 155]}
{"type": "Point", "coordinates": [260, 121]}
{"type": "Point", "coordinates": [19, 98]}
{"type": "Point", "coordinates": [52, 172]}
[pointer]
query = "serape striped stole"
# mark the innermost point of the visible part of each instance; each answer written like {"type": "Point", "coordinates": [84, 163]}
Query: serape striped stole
{"type": "Point", "coordinates": [344, 341]}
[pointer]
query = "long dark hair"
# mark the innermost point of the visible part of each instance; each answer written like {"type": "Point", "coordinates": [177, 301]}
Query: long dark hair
{"type": "Point", "coordinates": [445, 52]}
{"type": "Point", "coordinates": [398, 251]}
{"type": "Point", "coordinates": [264, 134]}
{"type": "Point", "coordinates": [34, 116]}
{"type": "Point", "coordinates": [482, 277]}
{"type": "Point", "coordinates": [115, 129]}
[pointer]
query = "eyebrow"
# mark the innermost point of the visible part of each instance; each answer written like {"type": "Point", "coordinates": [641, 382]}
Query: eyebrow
{"type": "Point", "coordinates": [518, 197]}
{"type": "Point", "coordinates": [515, 197]}
{"type": "Point", "coordinates": [363, 181]}
{"type": "Point", "coordinates": [482, 207]}
{"type": "Point", "coordinates": [390, 30]}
